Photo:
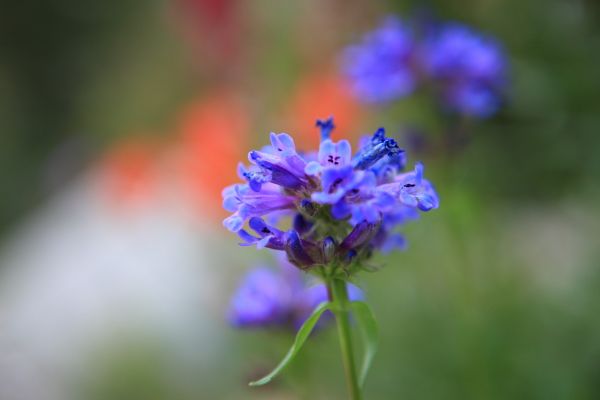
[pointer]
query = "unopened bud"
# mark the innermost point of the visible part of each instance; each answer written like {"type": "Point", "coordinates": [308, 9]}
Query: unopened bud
{"type": "Point", "coordinates": [301, 225]}
{"type": "Point", "coordinates": [329, 249]}
{"type": "Point", "coordinates": [308, 207]}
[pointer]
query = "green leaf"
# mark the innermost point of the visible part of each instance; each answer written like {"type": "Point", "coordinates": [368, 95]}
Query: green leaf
{"type": "Point", "coordinates": [301, 337]}
{"type": "Point", "coordinates": [370, 332]}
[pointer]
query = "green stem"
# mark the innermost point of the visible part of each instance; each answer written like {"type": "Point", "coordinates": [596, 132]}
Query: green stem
{"type": "Point", "coordinates": [339, 297]}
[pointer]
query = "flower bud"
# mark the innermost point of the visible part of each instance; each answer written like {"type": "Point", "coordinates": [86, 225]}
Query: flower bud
{"type": "Point", "coordinates": [301, 225]}
{"type": "Point", "coordinates": [326, 126]}
{"type": "Point", "coordinates": [361, 234]}
{"type": "Point", "coordinates": [308, 207]}
{"type": "Point", "coordinates": [350, 256]}
{"type": "Point", "coordinates": [296, 251]}
{"type": "Point", "coordinates": [370, 156]}
{"type": "Point", "coordinates": [329, 249]}
{"type": "Point", "coordinates": [280, 174]}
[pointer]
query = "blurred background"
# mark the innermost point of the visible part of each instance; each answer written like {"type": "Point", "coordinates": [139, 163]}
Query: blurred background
{"type": "Point", "coordinates": [121, 121]}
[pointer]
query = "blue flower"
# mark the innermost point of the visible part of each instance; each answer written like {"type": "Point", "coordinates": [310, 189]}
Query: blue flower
{"type": "Point", "coordinates": [246, 203]}
{"type": "Point", "coordinates": [339, 182]}
{"type": "Point", "coordinates": [280, 164]}
{"type": "Point", "coordinates": [412, 190]}
{"type": "Point", "coordinates": [470, 68]}
{"type": "Point", "coordinates": [464, 68]}
{"type": "Point", "coordinates": [263, 298]}
{"type": "Point", "coordinates": [387, 166]}
{"type": "Point", "coordinates": [355, 191]}
{"type": "Point", "coordinates": [472, 99]}
{"type": "Point", "coordinates": [371, 207]}
{"type": "Point", "coordinates": [268, 236]}
{"type": "Point", "coordinates": [342, 206]}
{"type": "Point", "coordinates": [380, 151]}
{"type": "Point", "coordinates": [337, 175]}
{"type": "Point", "coordinates": [380, 66]}
{"type": "Point", "coordinates": [278, 297]}
{"type": "Point", "coordinates": [333, 155]}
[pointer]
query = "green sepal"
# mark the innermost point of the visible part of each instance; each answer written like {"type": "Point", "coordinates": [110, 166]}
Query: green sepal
{"type": "Point", "coordinates": [369, 331]}
{"type": "Point", "coordinates": [301, 337]}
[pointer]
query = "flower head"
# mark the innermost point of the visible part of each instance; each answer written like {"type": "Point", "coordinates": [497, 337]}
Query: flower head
{"type": "Point", "coordinates": [342, 205]}
{"type": "Point", "coordinates": [470, 68]}
{"type": "Point", "coordinates": [379, 67]}
{"type": "Point", "coordinates": [263, 298]}
{"type": "Point", "coordinates": [278, 297]}
{"type": "Point", "coordinates": [466, 69]}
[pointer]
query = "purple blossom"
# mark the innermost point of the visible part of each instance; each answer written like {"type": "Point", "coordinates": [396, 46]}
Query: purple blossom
{"type": "Point", "coordinates": [279, 164]}
{"type": "Point", "coordinates": [456, 51]}
{"type": "Point", "coordinates": [465, 69]}
{"type": "Point", "coordinates": [263, 298]}
{"type": "Point", "coordinates": [469, 67]}
{"type": "Point", "coordinates": [338, 176]}
{"type": "Point", "coordinates": [245, 202]}
{"type": "Point", "coordinates": [268, 236]}
{"type": "Point", "coordinates": [472, 99]}
{"type": "Point", "coordinates": [412, 190]}
{"type": "Point", "coordinates": [370, 208]}
{"type": "Point", "coordinates": [380, 66]}
{"type": "Point", "coordinates": [342, 206]}
{"type": "Point", "coordinates": [379, 149]}
{"type": "Point", "coordinates": [358, 193]}
{"type": "Point", "coordinates": [332, 155]}
{"type": "Point", "coordinates": [337, 183]}
{"type": "Point", "coordinates": [278, 297]}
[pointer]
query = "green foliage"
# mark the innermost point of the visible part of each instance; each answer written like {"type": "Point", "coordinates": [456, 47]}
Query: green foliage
{"type": "Point", "coordinates": [368, 326]}
{"type": "Point", "coordinates": [301, 337]}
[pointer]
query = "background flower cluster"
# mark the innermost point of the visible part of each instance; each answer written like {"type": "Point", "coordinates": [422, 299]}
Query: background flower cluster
{"type": "Point", "coordinates": [465, 71]}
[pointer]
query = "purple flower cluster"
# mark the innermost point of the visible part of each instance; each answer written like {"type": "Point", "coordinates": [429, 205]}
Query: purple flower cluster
{"type": "Point", "coordinates": [381, 66]}
{"type": "Point", "coordinates": [466, 69]}
{"type": "Point", "coordinates": [341, 206]}
{"type": "Point", "coordinates": [469, 67]}
{"type": "Point", "coordinates": [278, 297]}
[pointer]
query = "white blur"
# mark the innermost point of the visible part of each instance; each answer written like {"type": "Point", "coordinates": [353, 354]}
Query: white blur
{"type": "Point", "coordinates": [79, 273]}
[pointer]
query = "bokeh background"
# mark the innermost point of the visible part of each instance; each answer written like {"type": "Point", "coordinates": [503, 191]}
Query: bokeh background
{"type": "Point", "coordinates": [122, 120]}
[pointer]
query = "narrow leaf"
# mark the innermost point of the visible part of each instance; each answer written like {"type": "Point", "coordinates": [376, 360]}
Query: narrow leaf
{"type": "Point", "coordinates": [370, 332]}
{"type": "Point", "coordinates": [301, 337]}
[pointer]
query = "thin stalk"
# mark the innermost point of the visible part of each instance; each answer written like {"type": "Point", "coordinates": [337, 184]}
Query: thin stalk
{"type": "Point", "coordinates": [338, 294]}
